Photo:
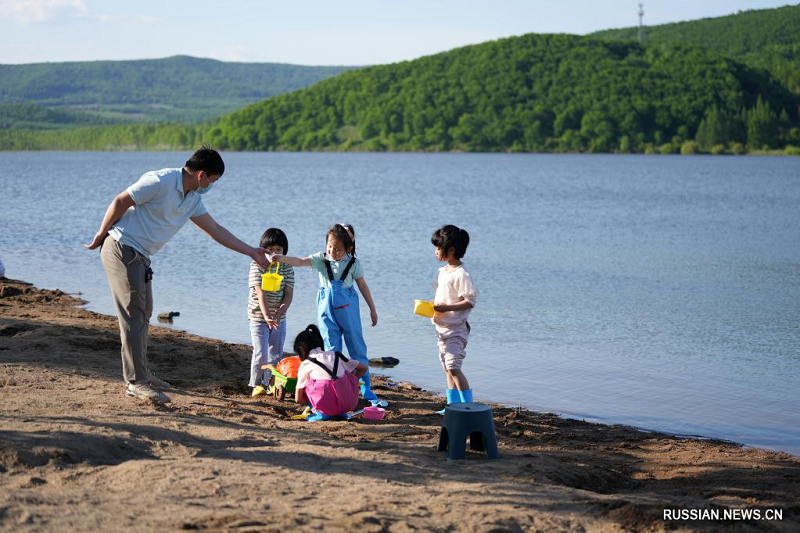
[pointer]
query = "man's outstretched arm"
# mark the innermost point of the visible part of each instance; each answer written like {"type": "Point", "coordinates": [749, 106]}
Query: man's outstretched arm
{"type": "Point", "coordinates": [227, 239]}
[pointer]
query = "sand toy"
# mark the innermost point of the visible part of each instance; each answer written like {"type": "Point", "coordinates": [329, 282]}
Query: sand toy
{"type": "Point", "coordinates": [284, 376]}
{"type": "Point", "coordinates": [271, 281]}
{"type": "Point", "coordinates": [423, 308]}
{"type": "Point", "coordinates": [309, 415]}
{"type": "Point", "coordinates": [374, 413]}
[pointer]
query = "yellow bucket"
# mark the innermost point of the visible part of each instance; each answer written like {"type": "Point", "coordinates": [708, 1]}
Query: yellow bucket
{"type": "Point", "coordinates": [271, 281]}
{"type": "Point", "coordinates": [423, 308]}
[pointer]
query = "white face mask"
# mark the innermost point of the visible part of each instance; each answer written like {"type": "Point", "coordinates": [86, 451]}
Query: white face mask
{"type": "Point", "coordinates": [204, 190]}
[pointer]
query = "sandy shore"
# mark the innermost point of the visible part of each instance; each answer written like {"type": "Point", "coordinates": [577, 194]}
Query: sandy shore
{"type": "Point", "coordinates": [76, 454]}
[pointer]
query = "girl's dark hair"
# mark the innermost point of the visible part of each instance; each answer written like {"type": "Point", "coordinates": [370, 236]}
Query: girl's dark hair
{"type": "Point", "coordinates": [275, 237]}
{"type": "Point", "coordinates": [340, 233]}
{"type": "Point", "coordinates": [208, 160]}
{"type": "Point", "coordinates": [307, 340]}
{"type": "Point", "coordinates": [449, 235]}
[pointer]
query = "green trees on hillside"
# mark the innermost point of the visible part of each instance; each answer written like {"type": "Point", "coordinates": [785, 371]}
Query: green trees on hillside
{"type": "Point", "coordinates": [759, 127]}
{"type": "Point", "coordinates": [767, 39]}
{"type": "Point", "coordinates": [118, 137]}
{"type": "Point", "coordinates": [718, 128]}
{"type": "Point", "coordinates": [534, 93]}
{"type": "Point", "coordinates": [530, 93]}
{"type": "Point", "coordinates": [38, 117]}
{"type": "Point", "coordinates": [173, 89]}
{"type": "Point", "coordinates": [762, 126]}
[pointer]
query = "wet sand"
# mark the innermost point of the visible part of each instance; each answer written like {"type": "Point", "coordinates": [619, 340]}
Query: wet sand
{"type": "Point", "coordinates": [76, 454]}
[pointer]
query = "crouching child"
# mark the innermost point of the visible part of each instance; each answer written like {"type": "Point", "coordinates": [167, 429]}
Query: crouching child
{"type": "Point", "coordinates": [327, 380]}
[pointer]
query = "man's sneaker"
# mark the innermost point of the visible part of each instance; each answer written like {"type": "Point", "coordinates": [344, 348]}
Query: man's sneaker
{"type": "Point", "coordinates": [145, 392]}
{"type": "Point", "coordinates": [259, 390]}
{"type": "Point", "coordinates": [158, 383]}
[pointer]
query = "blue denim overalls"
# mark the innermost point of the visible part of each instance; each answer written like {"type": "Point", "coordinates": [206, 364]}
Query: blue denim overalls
{"type": "Point", "coordinates": [339, 315]}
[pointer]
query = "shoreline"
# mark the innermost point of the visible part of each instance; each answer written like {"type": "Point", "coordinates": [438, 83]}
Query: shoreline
{"type": "Point", "coordinates": [77, 454]}
{"type": "Point", "coordinates": [438, 391]}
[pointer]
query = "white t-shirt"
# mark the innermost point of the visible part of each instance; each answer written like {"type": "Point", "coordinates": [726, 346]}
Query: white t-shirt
{"type": "Point", "coordinates": [312, 370]}
{"type": "Point", "coordinates": [453, 285]}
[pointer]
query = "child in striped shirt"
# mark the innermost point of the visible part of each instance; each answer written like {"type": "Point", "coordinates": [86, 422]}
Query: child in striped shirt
{"type": "Point", "coordinates": [266, 311]}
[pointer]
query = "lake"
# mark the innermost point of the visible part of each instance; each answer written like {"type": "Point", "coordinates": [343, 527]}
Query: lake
{"type": "Point", "coordinates": [661, 292]}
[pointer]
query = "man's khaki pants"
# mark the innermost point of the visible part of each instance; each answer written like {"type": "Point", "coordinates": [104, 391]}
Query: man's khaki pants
{"type": "Point", "coordinates": [128, 277]}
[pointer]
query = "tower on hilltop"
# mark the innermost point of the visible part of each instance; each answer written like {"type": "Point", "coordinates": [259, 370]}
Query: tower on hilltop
{"type": "Point", "coordinates": [641, 27]}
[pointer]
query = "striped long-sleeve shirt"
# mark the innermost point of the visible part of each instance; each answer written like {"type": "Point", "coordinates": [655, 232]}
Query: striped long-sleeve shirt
{"type": "Point", "coordinates": [273, 299]}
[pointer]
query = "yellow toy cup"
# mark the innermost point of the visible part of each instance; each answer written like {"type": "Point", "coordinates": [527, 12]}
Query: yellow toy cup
{"type": "Point", "coordinates": [271, 281]}
{"type": "Point", "coordinates": [423, 308]}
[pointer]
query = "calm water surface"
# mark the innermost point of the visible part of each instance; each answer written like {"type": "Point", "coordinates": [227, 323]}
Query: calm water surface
{"type": "Point", "coordinates": [655, 291]}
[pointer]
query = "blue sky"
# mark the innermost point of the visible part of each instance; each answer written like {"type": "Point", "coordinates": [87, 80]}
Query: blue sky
{"type": "Point", "coordinates": [309, 32]}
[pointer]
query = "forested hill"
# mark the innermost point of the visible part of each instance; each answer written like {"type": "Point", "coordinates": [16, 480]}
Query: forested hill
{"type": "Point", "coordinates": [179, 88]}
{"type": "Point", "coordinates": [766, 38]}
{"type": "Point", "coordinates": [529, 93]}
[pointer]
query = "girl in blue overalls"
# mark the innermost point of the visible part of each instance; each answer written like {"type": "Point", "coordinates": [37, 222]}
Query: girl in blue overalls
{"type": "Point", "coordinates": [337, 300]}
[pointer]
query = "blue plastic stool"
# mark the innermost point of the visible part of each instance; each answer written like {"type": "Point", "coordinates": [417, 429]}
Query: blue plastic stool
{"type": "Point", "coordinates": [462, 420]}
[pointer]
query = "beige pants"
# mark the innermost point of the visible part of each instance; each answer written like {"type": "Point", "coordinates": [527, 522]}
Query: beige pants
{"type": "Point", "coordinates": [133, 299]}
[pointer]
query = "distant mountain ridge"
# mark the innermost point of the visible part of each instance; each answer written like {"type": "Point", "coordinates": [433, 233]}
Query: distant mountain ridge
{"type": "Point", "coordinates": [764, 38]}
{"type": "Point", "coordinates": [177, 89]}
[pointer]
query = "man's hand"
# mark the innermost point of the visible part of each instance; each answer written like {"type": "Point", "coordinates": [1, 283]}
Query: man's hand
{"type": "Point", "coordinates": [259, 255]}
{"type": "Point", "coordinates": [373, 315]}
{"type": "Point", "coordinates": [273, 257]}
{"type": "Point", "coordinates": [97, 241]}
{"type": "Point", "coordinates": [118, 206]}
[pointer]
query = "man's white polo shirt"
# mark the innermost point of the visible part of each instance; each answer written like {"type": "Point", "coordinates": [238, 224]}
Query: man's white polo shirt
{"type": "Point", "coordinates": [161, 209]}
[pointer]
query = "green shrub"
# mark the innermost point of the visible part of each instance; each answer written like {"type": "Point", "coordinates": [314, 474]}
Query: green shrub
{"type": "Point", "coordinates": [688, 148]}
{"type": "Point", "coordinates": [737, 149]}
{"type": "Point", "coordinates": [666, 148]}
{"type": "Point", "coordinates": [792, 150]}
{"type": "Point", "coordinates": [625, 144]}
{"type": "Point", "coordinates": [375, 145]}
{"type": "Point", "coordinates": [718, 149]}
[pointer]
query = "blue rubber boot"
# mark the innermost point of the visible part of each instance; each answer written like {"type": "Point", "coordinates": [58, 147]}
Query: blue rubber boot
{"type": "Point", "coordinates": [452, 397]}
{"type": "Point", "coordinates": [466, 395]}
{"type": "Point", "coordinates": [366, 388]}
